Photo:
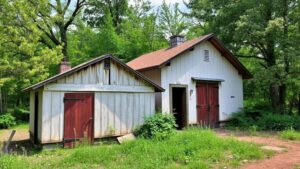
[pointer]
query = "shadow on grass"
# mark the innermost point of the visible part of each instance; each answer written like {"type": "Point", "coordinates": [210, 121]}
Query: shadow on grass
{"type": "Point", "coordinates": [23, 147]}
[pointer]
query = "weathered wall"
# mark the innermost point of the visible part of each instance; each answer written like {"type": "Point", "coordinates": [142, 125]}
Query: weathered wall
{"type": "Point", "coordinates": [192, 64]}
{"type": "Point", "coordinates": [155, 76]}
{"type": "Point", "coordinates": [120, 113]}
{"type": "Point", "coordinates": [119, 106]}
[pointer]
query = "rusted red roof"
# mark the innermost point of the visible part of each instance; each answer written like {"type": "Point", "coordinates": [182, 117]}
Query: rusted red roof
{"type": "Point", "coordinates": [158, 58]}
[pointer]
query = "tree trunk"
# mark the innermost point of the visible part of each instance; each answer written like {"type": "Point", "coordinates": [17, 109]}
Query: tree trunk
{"type": "Point", "coordinates": [274, 96]}
{"type": "Point", "coordinates": [299, 104]}
{"type": "Point", "coordinates": [275, 92]}
{"type": "Point", "coordinates": [282, 87]}
{"type": "Point", "coordinates": [63, 34]}
{"type": "Point", "coordinates": [1, 102]}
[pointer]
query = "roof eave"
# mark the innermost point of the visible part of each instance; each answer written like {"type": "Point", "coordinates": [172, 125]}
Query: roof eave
{"type": "Point", "coordinates": [86, 64]}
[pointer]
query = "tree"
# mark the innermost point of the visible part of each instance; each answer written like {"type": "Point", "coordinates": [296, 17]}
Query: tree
{"type": "Point", "coordinates": [54, 20]}
{"type": "Point", "coordinates": [140, 33]}
{"type": "Point", "coordinates": [98, 10]}
{"type": "Point", "coordinates": [171, 20]}
{"type": "Point", "coordinates": [24, 60]}
{"type": "Point", "coordinates": [261, 30]}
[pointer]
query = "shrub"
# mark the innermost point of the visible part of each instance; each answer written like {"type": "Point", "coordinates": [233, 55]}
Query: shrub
{"type": "Point", "coordinates": [278, 122]}
{"type": "Point", "coordinates": [21, 114]}
{"type": "Point", "coordinates": [6, 121]}
{"type": "Point", "coordinates": [263, 121]}
{"type": "Point", "coordinates": [289, 134]}
{"type": "Point", "coordinates": [159, 126]}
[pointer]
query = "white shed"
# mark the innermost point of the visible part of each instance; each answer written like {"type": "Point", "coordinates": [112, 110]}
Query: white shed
{"type": "Point", "coordinates": [102, 97]}
{"type": "Point", "coordinates": [203, 80]}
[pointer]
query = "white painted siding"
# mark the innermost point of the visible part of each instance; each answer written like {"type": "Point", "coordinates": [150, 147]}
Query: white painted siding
{"type": "Point", "coordinates": [114, 113]}
{"type": "Point", "coordinates": [53, 117]}
{"type": "Point", "coordinates": [31, 108]}
{"type": "Point", "coordinates": [192, 64]}
{"type": "Point", "coordinates": [155, 76]}
{"type": "Point", "coordinates": [95, 74]}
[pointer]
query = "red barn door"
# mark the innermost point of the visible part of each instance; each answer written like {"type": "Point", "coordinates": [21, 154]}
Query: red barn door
{"type": "Point", "coordinates": [78, 117]}
{"type": "Point", "coordinates": [208, 104]}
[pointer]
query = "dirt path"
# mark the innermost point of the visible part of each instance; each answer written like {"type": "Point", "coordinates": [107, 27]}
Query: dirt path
{"type": "Point", "coordinates": [21, 134]}
{"type": "Point", "coordinates": [289, 159]}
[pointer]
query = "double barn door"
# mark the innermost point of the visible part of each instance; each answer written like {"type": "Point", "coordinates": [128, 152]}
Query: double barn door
{"type": "Point", "coordinates": [208, 104]}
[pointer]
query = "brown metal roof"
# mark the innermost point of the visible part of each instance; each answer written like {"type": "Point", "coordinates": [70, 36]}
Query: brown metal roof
{"type": "Point", "coordinates": [88, 63]}
{"type": "Point", "coordinates": [159, 58]}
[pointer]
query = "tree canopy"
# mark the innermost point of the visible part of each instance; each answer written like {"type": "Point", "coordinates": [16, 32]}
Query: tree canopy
{"type": "Point", "coordinates": [36, 35]}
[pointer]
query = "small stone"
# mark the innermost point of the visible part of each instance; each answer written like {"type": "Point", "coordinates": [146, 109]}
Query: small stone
{"type": "Point", "coordinates": [125, 138]}
{"type": "Point", "coordinates": [273, 148]}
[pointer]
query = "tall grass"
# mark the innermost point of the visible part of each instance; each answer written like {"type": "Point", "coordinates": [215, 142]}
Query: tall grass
{"type": "Point", "coordinates": [289, 135]}
{"type": "Point", "coordinates": [193, 148]}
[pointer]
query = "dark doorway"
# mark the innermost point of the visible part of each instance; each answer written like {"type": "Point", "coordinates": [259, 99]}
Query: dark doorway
{"type": "Point", "coordinates": [78, 118]}
{"type": "Point", "coordinates": [179, 106]}
{"type": "Point", "coordinates": [208, 104]}
{"type": "Point", "coordinates": [36, 118]}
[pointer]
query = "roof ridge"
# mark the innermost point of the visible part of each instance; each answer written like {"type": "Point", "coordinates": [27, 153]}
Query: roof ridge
{"type": "Point", "coordinates": [86, 64]}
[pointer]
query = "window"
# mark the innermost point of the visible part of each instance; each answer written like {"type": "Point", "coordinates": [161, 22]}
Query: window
{"type": "Point", "coordinates": [206, 55]}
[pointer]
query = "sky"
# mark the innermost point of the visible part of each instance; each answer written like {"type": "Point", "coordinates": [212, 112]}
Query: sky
{"type": "Point", "coordinates": [159, 2]}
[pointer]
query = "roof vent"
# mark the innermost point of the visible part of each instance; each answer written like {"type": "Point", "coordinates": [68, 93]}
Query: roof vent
{"type": "Point", "coordinates": [176, 40]}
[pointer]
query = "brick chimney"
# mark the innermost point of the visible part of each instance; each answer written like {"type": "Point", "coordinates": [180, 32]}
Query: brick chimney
{"type": "Point", "coordinates": [176, 40]}
{"type": "Point", "coordinates": [64, 66]}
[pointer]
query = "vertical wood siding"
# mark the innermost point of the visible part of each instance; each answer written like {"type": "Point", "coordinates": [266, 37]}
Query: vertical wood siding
{"type": "Point", "coordinates": [96, 74]}
{"type": "Point", "coordinates": [53, 114]}
{"type": "Point", "coordinates": [31, 116]}
{"type": "Point", "coordinates": [155, 76]}
{"type": "Point", "coordinates": [115, 113]}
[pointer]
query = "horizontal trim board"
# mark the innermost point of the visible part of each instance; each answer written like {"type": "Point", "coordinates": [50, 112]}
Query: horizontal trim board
{"type": "Point", "coordinates": [207, 79]}
{"type": "Point", "coordinates": [98, 88]}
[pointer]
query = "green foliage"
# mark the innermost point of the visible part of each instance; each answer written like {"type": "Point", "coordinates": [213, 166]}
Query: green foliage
{"type": "Point", "coordinates": [263, 120]}
{"type": "Point", "coordinates": [289, 134]}
{"type": "Point", "coordinates": [263, 35]}
{"type": "Point", "coordinates": [171, 20]}
{"type": "Point", "coordinates": [24, 59]}
{"type": "Point", "coordinates": [6, 121]}
{"type": "Point", "coordinates": [159, 126]}
{"type": "Point", "coordinates": [192, 148]}
{"type": "Point", "coordinates": [21, 114]}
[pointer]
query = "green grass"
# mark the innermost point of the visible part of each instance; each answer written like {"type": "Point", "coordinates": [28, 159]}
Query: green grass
{"type": "Point", "coordinates": [21, 126]}
{"type": "Point", "coordinates": [193, 148]}
{"type": "Point", "coordinates": [289, 135]}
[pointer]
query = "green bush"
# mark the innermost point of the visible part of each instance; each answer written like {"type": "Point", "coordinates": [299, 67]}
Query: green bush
{"type": "Point", "coordinates": [6, 121]}
{"type": "Point", "coordinates": [289, 134]}
{"type": "Point", "coordinates": [21, 114]}
{"type": "Point", "coordinates": [263, 120]}
{"type": "Point", "coordinates": [158, 126]}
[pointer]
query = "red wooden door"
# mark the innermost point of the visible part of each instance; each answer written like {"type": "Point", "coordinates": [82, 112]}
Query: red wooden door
{"type": "Point", "coordinates": [78, 118]}
{"type": "Point", "coordinates": [202, 112]}
{"type": "Point", "coordinates": [208, 104]}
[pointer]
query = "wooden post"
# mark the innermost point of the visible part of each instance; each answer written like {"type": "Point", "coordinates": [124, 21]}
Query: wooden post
{"type": "Point", "coordinates": [5, 149]}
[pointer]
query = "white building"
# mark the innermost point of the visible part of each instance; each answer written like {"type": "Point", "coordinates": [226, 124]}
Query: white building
{"type": "Point", "coordinates": [102, 97]}
{"type": "Point", "coordinates": [202, 79]}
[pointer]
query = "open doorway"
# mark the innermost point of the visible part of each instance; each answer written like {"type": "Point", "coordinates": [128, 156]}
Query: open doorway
{"type": "Point", "coordinates": [179, 105]}
{"type": "Point", "coordinates": [36, 113]}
